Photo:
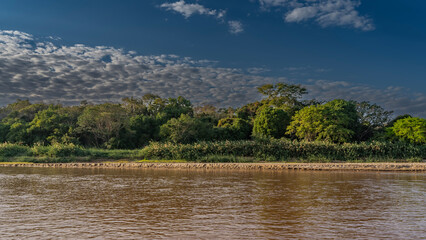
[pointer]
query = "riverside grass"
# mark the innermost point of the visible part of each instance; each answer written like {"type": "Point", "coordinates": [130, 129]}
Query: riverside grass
{"type": "Point", "coordinates": [271, 150]}
{"type": "Point", "coordinates": [284, 150]}
{"type": "Point", "coordinates": [61, 153]}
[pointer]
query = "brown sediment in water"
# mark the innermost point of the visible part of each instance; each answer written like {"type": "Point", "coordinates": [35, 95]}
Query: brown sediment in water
{"type": "Point", "coordinates": [236, 166]}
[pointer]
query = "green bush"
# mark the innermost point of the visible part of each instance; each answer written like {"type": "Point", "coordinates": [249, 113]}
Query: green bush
{"type": "Point", "coordinates": [62, 150]}
{"type": "Point", "coordinates": [61, 153]}
{"type": "Point", "coordinates": [13, 150]}
{"type": "Point", "coordinates": [225, 151]}
{"type": "Point", "coordinates": [409, 129]}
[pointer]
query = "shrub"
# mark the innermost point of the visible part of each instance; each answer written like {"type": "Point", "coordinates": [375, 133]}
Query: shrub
{"type": "Point", "coordinates": [13, 150]}
{"type": "Point", "coordinates": [62, 150]}
{"type": "Point", "coordinates": [409, 129]}
{"type": "Point", "coordinates": [284, 150]}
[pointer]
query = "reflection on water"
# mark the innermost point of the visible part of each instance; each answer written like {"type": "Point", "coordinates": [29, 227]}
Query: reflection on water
{"type": "Point", "coordinates": [129, 204]}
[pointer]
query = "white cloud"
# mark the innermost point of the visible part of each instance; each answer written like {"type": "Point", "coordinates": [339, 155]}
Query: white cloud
{"type": "Point", "coordinates": [325, 12]}
{"type": "Point", "coordinates": [274, 3]}
{"type": "Point", "coordinates": [257, 70]}
{"type": "Point", "coordinates": [301, 14]}
{"type": "Point", "coordinates": [54, 38]}
{"type": "Point", "coordinates": [188, 9]}
{"type": "Point", "coordinates": [43, 71]}
{"type": "Point", "coordinates": [235, 27]}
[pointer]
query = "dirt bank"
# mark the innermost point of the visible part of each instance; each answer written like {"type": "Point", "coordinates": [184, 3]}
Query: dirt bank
{"type": "Point", "coordinates": [238, 166]}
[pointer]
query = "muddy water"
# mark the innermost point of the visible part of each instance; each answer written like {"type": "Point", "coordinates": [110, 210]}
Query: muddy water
{"type": "Point", "coordinates": [50, 203]}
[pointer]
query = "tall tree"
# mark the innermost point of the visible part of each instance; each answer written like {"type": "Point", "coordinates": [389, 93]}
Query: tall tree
{"type": "Point", "coordinates": [175, 107]}
{"type": "Point", "coordinates": [234, 129]}
{"type": "Point", "coordinates": [153, 103]}
{"type": "Point", "coordinates": [54, 124]}
{"type": "Point", "coordinates": [186, 129]}
{"type": "Point", "coordinates": [104, 125]}
{"type": "Point", "coordinates": [134, 106]}
{"type": "Point", "coordinates": [208, 113]}
{"type": "Point", "coordinates": [144, 129]}
{"type": "Point", "coordinates": [372, 118]}
{"type": "Point", "coordinates": [249, 111]}
{"type": "Point", "coordinates": [283, 95]}
{"type": "Point", "coordinates": [271, 122]}
{"type": "Point", "coordinates": [335, 121]}
{"type": "Point", "coordinates": [4, 129]}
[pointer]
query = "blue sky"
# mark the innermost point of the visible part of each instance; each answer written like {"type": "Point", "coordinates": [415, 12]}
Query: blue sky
{"type": "Point", "coordinates": [361, 50]}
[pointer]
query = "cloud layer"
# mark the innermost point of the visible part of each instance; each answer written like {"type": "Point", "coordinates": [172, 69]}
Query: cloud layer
{"type": "Point", "coordinates": [42, 71]}
{"type": "Point", "coordinates": [324, 12]}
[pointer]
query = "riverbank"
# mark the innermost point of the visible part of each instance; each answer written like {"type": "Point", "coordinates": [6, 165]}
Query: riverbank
{"type": "Point", "coordinates": [235, 166]}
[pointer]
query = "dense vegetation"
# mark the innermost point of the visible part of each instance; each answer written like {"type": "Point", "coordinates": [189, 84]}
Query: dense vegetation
{"type": "Point", "coordinates": [279, 127]}
{"type": "Point", "coordinates": [224, 151]}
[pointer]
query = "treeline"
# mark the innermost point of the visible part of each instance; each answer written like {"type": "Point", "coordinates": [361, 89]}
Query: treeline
{"type": "Point", "coordinates": [135, 122]}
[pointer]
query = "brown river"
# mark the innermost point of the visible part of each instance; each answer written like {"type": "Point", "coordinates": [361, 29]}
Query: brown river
{"type": "Point", "coordinates": [49, 203]}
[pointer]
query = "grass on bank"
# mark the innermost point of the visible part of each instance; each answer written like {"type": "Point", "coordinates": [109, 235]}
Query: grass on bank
{"type": "Point", "coordinates": [226, 151]}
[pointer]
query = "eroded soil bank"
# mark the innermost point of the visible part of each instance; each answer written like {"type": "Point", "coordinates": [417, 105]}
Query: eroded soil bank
{"type": "Point", "coordinates": [237, 166]}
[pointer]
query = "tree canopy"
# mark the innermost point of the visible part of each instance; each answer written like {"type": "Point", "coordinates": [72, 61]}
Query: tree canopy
{"type": "Point", "coordinates": [283, 95]}
{"type": "Point", "coordinates": [186, 129]}
{"type": "Point", "coordinates": [335, 121]}
{"type": "Point", "coordinates": [410, 129]}
{"type": "Point", "coordinates": [271, 122]}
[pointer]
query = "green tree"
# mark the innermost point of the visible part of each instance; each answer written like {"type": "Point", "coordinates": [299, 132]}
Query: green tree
{"type": "Point", "coordinates": [105, 125]}
{"type": "Point", "coordinates": [410, 129]}
{"type": "Point", "coordinates": [16, 117]}
{"type": "Point", "coordinates": [153, 103]}
{"type": "Point", "coordinates": [208, 113]}
{"type": "Point", "coordinates": [22, 109]}
{"type": "Point", "coordinates": [283, 95]}
{"type": "Point", "coordinates": [13, 107]}
{"type": "Point", "coordinates": [54, 124]}
{"type": "Point", "coordinates": [372, 119]}
{"type": "Point", "coordinates": [17, 132]}
{"type": "Point", "coordinates": [175, 107]}
{"type": "Point", "coordinates": [271, 122]}
{"type": "Point", "coordinates": [335, 121]}
{"type": "Point", "coordinates": [391, 123]}
{"type": "Point", "coordinates": [4, 129]}
{"type": "Point", "coordinates": [248, 111]}
{"type": "Point", "coordinates": [307, 123]}
{"type": "Point", "coordinates": [234, 129]}
{"type": "Point", "coordinates": [134, 106]}
{"type": "Point", "coordinates": [145, 129]}
{"type": "Point", "coordinates": [186, 129]}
